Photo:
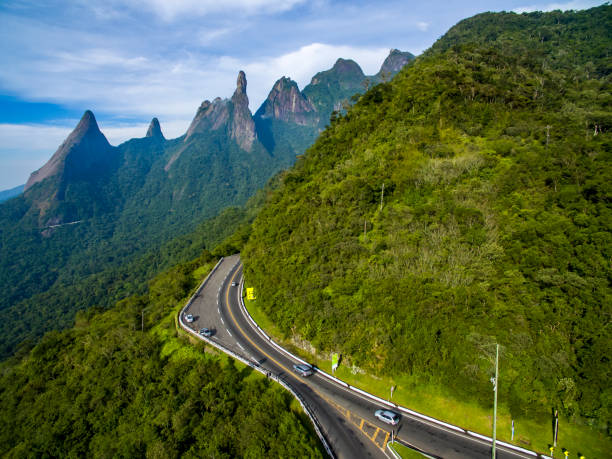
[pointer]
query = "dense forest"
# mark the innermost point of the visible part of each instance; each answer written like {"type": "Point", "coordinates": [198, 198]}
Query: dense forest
{"type": "Point", "coordinates": [465, 203]}
{"type": "Point", "coordinates": [86, 236]}
{"type": "Point", "coordinates": [134, 227]}
{"type": "Point", "coordinates": [106, 388]}
{"type": "Point", "coordinates": [115, 282]}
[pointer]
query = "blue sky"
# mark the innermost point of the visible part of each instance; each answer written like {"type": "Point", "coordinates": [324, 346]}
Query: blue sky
{"type": "Point", "coordinates": [131, 60]}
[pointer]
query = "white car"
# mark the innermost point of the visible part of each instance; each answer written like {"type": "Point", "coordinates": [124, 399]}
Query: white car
{"type": "Point", "coordinates": [189, 318]}
{"type": "Point", "coordinates": [388, 416]}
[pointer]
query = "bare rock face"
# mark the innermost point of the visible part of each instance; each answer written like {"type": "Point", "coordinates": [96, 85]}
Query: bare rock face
{"type": "Point", "coordinates": [242, 127]}
{"type": "Point", "coordinates": [155, 130]}
{"type": "Point", "coordinates": [394, 62]}
{"type": "Point", "coordinates": [286, 103]}
{"type": "Point", "coordinates": [83, 150]}
{"type": "Point", "coordinates": [209, 117]}
{"type": "Point", "coordinates": [233, 115]}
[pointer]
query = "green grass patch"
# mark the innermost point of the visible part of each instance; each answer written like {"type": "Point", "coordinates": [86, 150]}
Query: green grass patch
{"type": "Point", "coordinates": [435, 401]}
{"type": "Point", "coordinates": [405, 452]}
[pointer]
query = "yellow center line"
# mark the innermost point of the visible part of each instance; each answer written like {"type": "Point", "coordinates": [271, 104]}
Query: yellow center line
{"type": "Point", "coordinates": [386, 440]}
{"type": "Point", "coordinates": [361, 425]}
{"type": "Point", "coordinates": [289, 372]}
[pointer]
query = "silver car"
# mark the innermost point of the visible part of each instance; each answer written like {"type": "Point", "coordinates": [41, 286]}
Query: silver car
{"type": "Point", "coordinates": [303, 369]}
{"type": "Point", "coordinates": [388, 416]}
{"type": "Point", "coordinates": [189, 318]}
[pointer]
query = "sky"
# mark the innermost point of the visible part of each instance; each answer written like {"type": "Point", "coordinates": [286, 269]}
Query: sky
{"type": "Point", "coordinates": [131, 60]}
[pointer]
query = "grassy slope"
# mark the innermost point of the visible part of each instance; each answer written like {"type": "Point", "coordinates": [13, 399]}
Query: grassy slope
{"type": "Point", "coordinates": [490, 230]}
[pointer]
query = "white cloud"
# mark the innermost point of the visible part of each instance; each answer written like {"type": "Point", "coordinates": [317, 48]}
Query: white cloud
{"type": "Point", "coordinates": [422, 26]}
{"type": "Point", "coordinates": [170, 10]}
{"type": "Point", "coordinates": [302, 64]}
{"type": "Point", "coordinates": [172, 88]}
{"type": "Point", "coordinates": [26, 148]}
{"type": "Point", "coordinates": [571, 5]}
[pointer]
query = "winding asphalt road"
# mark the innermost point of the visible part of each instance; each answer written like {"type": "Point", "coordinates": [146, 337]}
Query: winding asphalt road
{"type": "Point", "coordinates": [346, 418]}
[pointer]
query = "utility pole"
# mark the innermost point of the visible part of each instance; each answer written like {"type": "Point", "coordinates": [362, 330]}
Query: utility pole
{"type": "Point", "coordinates": [382, 194]}
{"type": "Point", "coordinates": [547, 134]}
{"type": "Point", "coordinates": [556, 428]}
{"type": "Point", "coordinates": [495, 384]}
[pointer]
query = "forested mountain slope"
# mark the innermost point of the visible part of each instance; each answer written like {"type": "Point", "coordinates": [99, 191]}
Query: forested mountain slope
{"type": "Point", "coordinates": [79, 234]}
{"type": "Point", "coordinates": [494, 225]}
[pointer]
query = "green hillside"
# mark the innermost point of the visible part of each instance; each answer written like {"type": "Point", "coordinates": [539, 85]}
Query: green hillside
{"type": "Point", "coordinates": [107, 389]}
{"type": "Point", "coordinates": [494, 226]}
{"type": "Point", "coordinates": [123, 216]}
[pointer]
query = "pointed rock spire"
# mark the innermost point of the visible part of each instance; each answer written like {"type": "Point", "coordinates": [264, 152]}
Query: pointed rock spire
{"type": "Point", "coordinates": [233, 115]}
{"type": "Point", "coordinates": [242, 125]}
{"type": "Point", "coordinates": [84, 146]}
{"type": "Point", "coordinates": [241, 83]}
{"type": "Point", "coordinates": [87, 123]}
{"type": "Point", "coordinates": [155, 130]}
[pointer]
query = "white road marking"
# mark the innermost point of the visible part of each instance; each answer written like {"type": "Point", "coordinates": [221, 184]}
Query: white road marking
{"type": "Point", "coordinates": [222, 321]}
{"type": "Point", "coordinates": [240, 346]}
{"type": "Point", "coordinates": [229, 332]}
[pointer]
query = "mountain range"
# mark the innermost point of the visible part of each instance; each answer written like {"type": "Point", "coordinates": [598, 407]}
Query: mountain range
{"type": "Point", "coordinates": [462, 207]}
{"type": "Point", "coordinates": [94, 206]}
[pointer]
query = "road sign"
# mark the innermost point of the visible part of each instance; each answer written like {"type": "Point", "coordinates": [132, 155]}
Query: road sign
{"type": "Point", "coordinates": [250, 293]}
{"type": "Point", "coordinates": [335, 361]}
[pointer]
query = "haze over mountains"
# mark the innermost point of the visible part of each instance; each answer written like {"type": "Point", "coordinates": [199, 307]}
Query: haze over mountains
{"type": "Point", "coordinates": [134, 197]}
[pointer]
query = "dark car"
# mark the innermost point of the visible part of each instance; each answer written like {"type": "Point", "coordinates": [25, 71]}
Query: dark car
{"type": "Point", "coordinates": [303, 369]}
{"type": "Point", "coordinates": [206, 332]}
{"type": "Point", "coordinates": [388, 416]}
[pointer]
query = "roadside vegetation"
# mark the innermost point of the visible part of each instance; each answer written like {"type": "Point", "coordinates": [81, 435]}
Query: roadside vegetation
{"type": "Point", "coordinates": [106, 388]}
{"type": "Point", "coordinates": [494, 225]}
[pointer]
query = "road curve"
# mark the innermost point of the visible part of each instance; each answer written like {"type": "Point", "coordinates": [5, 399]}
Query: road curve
{"type": "Point", "coordinates": [345, 417]}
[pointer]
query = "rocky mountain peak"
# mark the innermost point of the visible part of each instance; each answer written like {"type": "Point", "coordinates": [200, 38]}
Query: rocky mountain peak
{"type": "Point", "coordinates": [394, 62]}
{"type": "Point", "coordinates": [345, 72]}
{"type": "Point", "coordinates": [86, 124]}
{"type": "Point", "coordinates": [241, 83]}
{"type": "Point", "coordinates": [285, 102]}
{"type": "Point", "coordinates": [233, 115]}
{"type": "Point", "coordinates": [347, 66]}
{"type": "Point", "coordinates": [155, 129]}
{"type": "Point", "coordinates": [85, 146]}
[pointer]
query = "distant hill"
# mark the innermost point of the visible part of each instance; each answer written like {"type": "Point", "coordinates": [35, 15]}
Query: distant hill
{"type": "Point", "coordinates": [93, 208]}
{"type": "Point", "coordinates": [7, 194]}
{"type": "Point", "coordinates": [463, 204]}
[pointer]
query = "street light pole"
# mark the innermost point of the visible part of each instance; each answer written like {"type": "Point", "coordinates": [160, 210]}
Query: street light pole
{"type": "Point", "coordinates": [495, 398]}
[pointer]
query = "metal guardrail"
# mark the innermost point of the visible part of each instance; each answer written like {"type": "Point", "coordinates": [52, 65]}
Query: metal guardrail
{"type": "Point", "coordinates": [381, 400]}
{"type": "Point", "coordinates": [309, 412]}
